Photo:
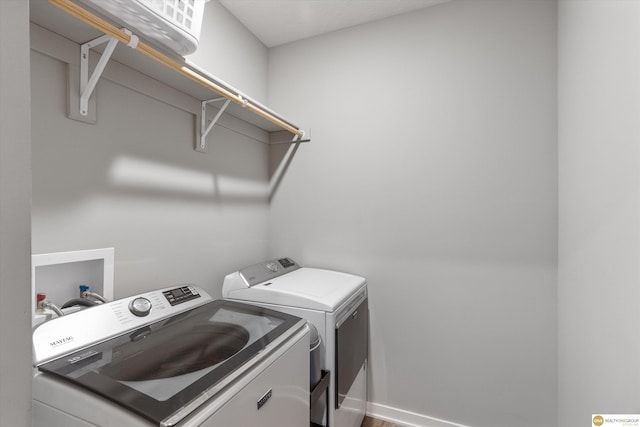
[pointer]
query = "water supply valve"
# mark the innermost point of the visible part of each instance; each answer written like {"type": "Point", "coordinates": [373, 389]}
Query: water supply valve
{"type": "Point", "coordinates": [83, 291]}
{"type": "Point", "coordinates": [40, 299]}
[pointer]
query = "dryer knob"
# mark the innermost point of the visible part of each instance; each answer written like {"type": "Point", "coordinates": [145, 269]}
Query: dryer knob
{"type": "Point", "coordinates": [140, 306]}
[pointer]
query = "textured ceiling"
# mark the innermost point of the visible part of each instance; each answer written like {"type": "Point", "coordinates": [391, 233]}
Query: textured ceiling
{"type": "Point", "coordinates": [276, 22]}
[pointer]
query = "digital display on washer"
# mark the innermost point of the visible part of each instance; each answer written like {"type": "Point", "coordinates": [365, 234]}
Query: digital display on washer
{"type": "Point", "coordinates": [156, 370]}
{"type": "Point", "coordinates": [286, 262]}
{"type": "Point", "coordinates": [179, 295]}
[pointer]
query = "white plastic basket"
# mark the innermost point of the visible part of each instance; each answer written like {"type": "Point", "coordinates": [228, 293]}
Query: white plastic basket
{"type": "Point", "coordinates": [175, 24]}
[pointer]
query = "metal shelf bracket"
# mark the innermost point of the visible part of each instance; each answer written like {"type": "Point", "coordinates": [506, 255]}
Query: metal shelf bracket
{"type": "Point", "coordinates": [88, 83]}
{"type": "Point", "coordinates": [204, 128]}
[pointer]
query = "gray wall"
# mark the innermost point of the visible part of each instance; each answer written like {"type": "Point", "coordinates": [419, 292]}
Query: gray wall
{"type": "Point", "coordinates": [232, 53]}
{"type": "Point", "coordinates": [133, 181]}
{"type": "Point", "coordinates": [15, 208]}
{"type": "Point", "coordinates": [432, 172]}
{"type": "Point", "coordinates": [599, 241]}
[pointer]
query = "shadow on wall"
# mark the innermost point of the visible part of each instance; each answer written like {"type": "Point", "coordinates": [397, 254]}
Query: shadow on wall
{"type": "Point", "coordinates": [215, 177]}
{"type": "Point", "coordinates": [138, 175]}
{"type": "Point", "coordinates": [280, 157]}
{"type": "Point", "coordinates": [141, 177]}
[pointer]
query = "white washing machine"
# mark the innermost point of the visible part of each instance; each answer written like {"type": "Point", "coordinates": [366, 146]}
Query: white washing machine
{"type": "Point", "coordinates": [173, 357]}
{"type": "Point", "coordinates": [337, 305]}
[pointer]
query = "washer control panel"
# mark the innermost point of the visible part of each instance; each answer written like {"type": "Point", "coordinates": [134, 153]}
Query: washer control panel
{"type": "Point", "coordinates": [66, 334]}
{"type": "Point", "coordinates": [265, 271]}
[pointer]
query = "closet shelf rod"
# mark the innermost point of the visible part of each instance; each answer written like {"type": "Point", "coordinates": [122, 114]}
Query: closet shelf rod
{"type": "Point", "coordinates": [100, 24]}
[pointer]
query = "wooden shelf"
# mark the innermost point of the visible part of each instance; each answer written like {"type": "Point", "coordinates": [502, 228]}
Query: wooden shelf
{"type": "Point", "coordinates": [155, 63]}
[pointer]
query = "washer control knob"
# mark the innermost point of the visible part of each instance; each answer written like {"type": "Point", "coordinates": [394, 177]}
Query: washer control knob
{"type": "Point", "coordinates": [272, 266]}
{"type": "Point", "coordinates": [140, 306]}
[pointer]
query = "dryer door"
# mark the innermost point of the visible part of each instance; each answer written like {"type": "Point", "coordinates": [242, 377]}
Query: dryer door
{"type": "Point", "coordinates": [351, 349]}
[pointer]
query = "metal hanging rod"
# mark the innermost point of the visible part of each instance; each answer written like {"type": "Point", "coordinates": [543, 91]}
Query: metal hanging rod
{"type": "Point", "coordinates": [126, 38]}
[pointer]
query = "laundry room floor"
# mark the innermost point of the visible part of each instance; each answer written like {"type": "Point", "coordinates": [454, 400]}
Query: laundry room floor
{"type": "Point", "coordinates": [372, 422]}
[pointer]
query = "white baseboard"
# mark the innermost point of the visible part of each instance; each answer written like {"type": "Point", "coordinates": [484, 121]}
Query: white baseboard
{"type": "Point", "coordinates": [406, 418]}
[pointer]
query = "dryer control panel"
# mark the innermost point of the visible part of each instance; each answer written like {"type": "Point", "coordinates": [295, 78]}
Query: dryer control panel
{"type": "Point", "coordinates": [265, 271]}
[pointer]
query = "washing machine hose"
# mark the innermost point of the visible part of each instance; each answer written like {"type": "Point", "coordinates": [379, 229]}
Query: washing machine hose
{"type": "Point", "coordinates": [79, 301]}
